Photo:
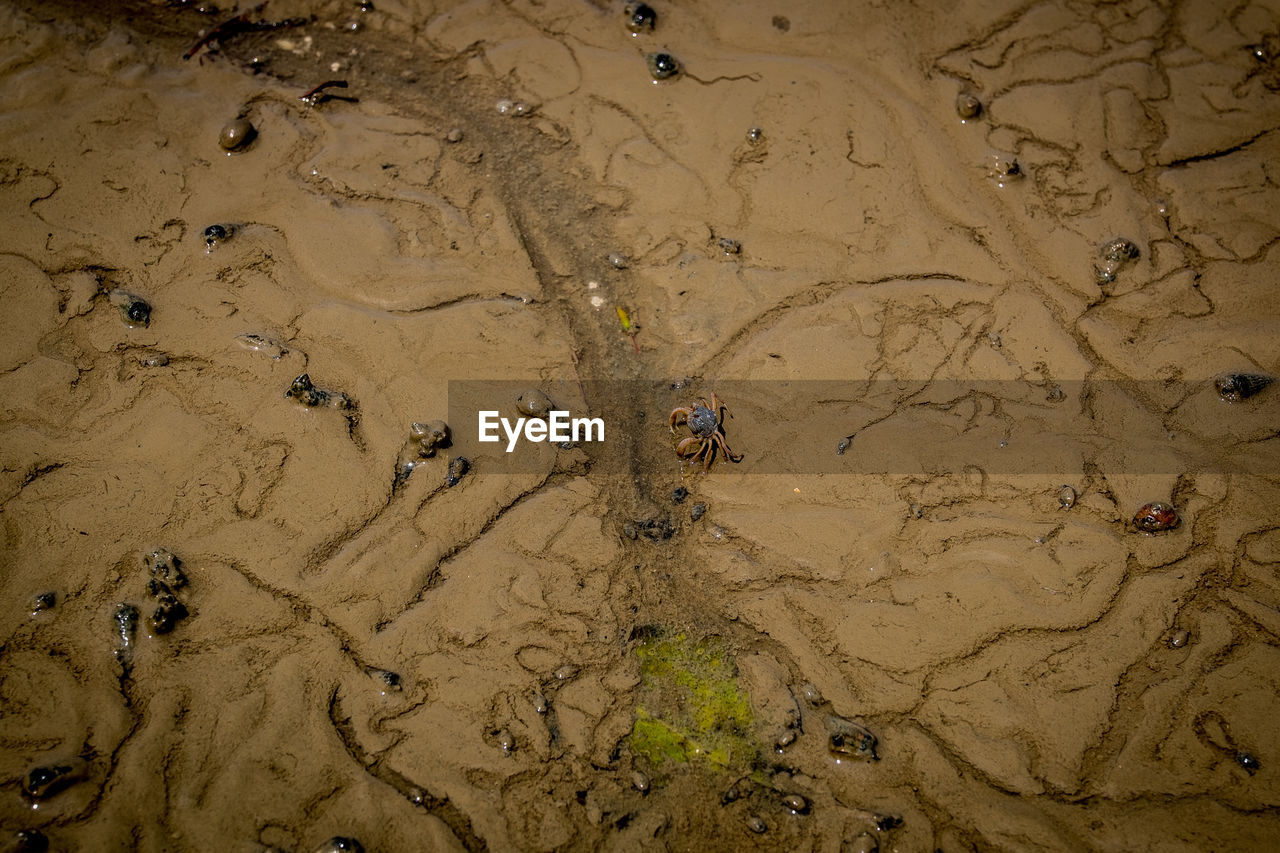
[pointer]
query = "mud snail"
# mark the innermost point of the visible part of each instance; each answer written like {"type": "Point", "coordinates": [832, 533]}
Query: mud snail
{"type": "Point", "coordinates": [705, 421]}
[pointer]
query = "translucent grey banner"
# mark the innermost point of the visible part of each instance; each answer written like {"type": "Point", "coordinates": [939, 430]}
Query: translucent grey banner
{"type": "Point", "coordinates": [870, 426]}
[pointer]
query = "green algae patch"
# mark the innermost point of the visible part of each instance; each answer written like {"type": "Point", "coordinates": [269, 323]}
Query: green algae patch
{"type": "Point", "coordinates": [690, 707]}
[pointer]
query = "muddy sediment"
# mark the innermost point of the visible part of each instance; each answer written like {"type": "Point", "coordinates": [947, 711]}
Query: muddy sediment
{"type": "Point", "coordinates": [258, 594]}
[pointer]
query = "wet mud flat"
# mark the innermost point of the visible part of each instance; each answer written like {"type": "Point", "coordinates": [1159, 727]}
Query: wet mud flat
{"type": "Point", "coordinates": [260, 593]}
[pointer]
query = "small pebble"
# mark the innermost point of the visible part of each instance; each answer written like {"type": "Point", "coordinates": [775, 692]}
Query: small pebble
{"type": "Point", "coordinates": [540, 702]}
{"type": "Point", "coordinates": [165, 566]}
{"type": "Point", "coordinates": [640, 17]}
{"type": "Point", "coordinates": [126, 619]}
{"type": "Point", "coordinates": [679, 494]}
{"type": "Point", "coordinates": [236, 134]}
{"type": "Point", "coordinates": [565, 672]}
{"type": "Point", "coordinates": [389, 681]}
{"type": "Point", "coordinates": [640, 782]}
{"type": "Point", "coordinates": [1066, 497]}
{"type": "Point", "coordinates": [730, 796]}
{"type": "Point", "coordinates": [845, 444]}
{"type": "Point", "coordinates": [506, 741]}
{"type": "Point", "coordinates": [618, 260]}
{"type": "Point", "coordinates": [756, 824]}
{"type": "Point", "coordinates": [1179, 639]}
{"type": "Point", "coordinates": [532, 403]}
{"type": "Point", "coordinates": [215, 234]}
{"type": "Point", "coordinates": [864, 843]}
{"type": "Point", "coordinates": [795, 804]}
{"type": "Point", "coordinates": [662, 66]}
{"type": "Point", "coordinates": [26, 841]}
{"type": "Point", "coordinates": [1248, 761]}
{"type": "Point", "coordinates": [340, 844]}
{"type": "Point", "coordinates": [811, 693]}
{"type": "Point", "coordinates": [1234, 387]}
{"type": "Point", "coordinates": [728, 246]}
{"type": "Point", "coordinates": [968, 106]}
{"type": "Point", "coordinates": [454, 135]}
{"type": "Point", "coordinates": [44, 601]}
{"type": "Point", "coordinates": [1004, 170]}
{"type": "Point", "coordinates": [134, 310]}
{"type": "Point", "coordinates": [851, 741]}
{"type": "Point", "coordinates": [785, 740]}
{"type": "Point", "coordinates": [781, 23]}
{"type": "Point", "coordinates": [458, 466]}
{"type": "Point", "coordinates": [1156, 517]}
{"type": "Point", "coordinates": [699, 510]}
{"type": "Point", "coordinates": [157, 360]}
{"type": "Point", "coordinates": [44, 781]}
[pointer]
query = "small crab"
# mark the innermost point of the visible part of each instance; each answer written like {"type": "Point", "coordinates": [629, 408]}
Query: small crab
{"type": "Point", "coordinates": [705, 422]}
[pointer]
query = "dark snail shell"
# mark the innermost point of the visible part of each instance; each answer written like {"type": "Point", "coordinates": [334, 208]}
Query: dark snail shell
{"type": "Point", "coordinates": [1156, 517]}
{"type": "Point", "coordinates": [1234, 387]}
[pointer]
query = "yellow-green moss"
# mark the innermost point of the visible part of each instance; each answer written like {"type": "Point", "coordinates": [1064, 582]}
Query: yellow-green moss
{"type": "Point", "coordinates": [690, 707]}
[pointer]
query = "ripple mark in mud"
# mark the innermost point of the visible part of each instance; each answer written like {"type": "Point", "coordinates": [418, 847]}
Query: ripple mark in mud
{"type": "Point", "coordinates": [459, 824]}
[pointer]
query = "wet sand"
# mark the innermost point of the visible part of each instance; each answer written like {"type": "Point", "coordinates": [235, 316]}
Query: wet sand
{"type": "Point", "coordinates": [240, 618]}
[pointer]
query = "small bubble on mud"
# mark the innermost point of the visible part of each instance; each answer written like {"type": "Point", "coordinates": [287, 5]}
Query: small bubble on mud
{"type": "Point", "coordinates": [843, 446]}
{"type": "Point", "coordinates": [1066, 497]}
{"type": "Point", "coordinates": [44, 601]}
{"type": "Point", "coordinates": [968, 106]}
{"type": "Point", "coordinates": [1248, 761]}
{"type": "Point", "coordinates": [565, 672]}
{"type": "Point", "coordinates": [732, 795]}
{"type": "Point", "coordinates": [617, 260]}
{"type": "Point", "coordinates": [640, 782]}
{"type": "Point", "coordinates": [756, 824]}
{"type": "Point", "coordinates": [662, 66]}
{"type": "Point", "coordinates": [1179, 639]}
{"type": "Point", "coordinates": [540, 702]}
{"type": "Point", "coordinates": [755, 135]}
{"type": "Point", "coordinates": [785, 740]}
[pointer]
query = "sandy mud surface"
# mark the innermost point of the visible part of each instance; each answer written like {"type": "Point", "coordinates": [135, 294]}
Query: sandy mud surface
{"type": "Point", "coordinates": [253, 599]}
